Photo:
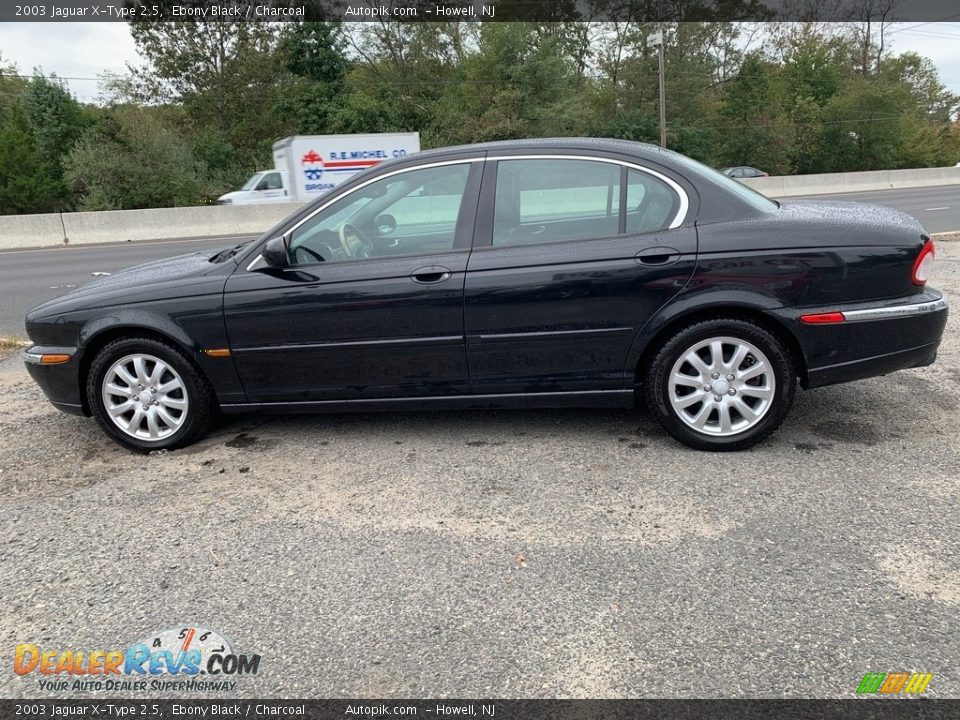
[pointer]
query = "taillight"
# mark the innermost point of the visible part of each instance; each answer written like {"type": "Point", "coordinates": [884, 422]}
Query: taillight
{"type": "Point", "coordinates": [923, 265]}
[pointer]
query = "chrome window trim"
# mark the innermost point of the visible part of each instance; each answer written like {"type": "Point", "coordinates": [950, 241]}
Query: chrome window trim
{"type": "Point", "coordinates": [674, 185]}
{"type": "Point", "coordinates": [253, 265]}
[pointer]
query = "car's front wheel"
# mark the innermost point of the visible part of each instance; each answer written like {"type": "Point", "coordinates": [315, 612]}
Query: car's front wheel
{"type": "Point", "coordinates": [146, 395]}
{"type": "Point", "coordinates": [723, 384]}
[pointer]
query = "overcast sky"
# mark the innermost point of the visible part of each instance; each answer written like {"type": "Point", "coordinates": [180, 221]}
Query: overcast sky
{"type": "Point", "coordinates": [85, 50]}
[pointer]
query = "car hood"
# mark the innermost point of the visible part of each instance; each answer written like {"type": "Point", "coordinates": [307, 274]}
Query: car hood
{"type": "Point", "coordinates": [150, 281]}
{"type": "Point", "coordinates": [234, 195]}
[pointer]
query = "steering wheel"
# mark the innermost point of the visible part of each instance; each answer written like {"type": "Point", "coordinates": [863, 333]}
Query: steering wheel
{"type": "Point", "coordinates": [309, 253]}
{"type": "Point", "coordinates": [354, 243]}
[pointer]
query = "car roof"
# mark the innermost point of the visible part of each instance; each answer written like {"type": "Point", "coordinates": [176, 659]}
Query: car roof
{"type": "Point", "coordinates": [612, 145]}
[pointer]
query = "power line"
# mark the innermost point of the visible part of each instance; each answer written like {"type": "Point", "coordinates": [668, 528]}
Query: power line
{"type": "Point", "coordinates": [926, 34]}
{"type": "Point", "coordinates": [46, 77]}
{"type": "Point", "coordinates": [930, 22]}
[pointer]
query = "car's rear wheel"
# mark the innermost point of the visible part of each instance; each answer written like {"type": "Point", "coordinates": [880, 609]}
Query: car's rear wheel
{"type": "Point", "coordinates": [722, 384]}
{"type": "Point", "coordinates": [147, 395]}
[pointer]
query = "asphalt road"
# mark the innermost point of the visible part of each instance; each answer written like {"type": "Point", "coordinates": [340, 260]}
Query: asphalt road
{"type": "Point", "coordinates": [504, 554]}
{"type": "Point", "coordinates": [28, 277]}
{"type": "Point", "coordinates": [937, 208]}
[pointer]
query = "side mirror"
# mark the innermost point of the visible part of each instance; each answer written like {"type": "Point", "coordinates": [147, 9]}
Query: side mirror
{"type": "Point", "coordinates": [274, 253]}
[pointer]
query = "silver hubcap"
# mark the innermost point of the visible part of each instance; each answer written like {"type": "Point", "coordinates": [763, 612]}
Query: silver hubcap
{"type": "Point", "coordinates": [722, 386]}
{"type": "Point", "coordinates": [145, 397]}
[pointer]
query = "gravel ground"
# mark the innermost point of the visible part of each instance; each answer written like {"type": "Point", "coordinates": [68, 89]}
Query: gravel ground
{"type": "Point", "coordinates": [507, 554]}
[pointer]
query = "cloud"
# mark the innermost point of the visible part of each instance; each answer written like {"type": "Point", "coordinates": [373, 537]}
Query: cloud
{"type": "Point", "coordinates": [938, 41]}
{"type": "Point", "coordinates": [71, 50]}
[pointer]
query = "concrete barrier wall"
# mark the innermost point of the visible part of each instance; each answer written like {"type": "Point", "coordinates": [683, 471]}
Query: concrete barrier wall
{"type": "Point", "coordinates": [25, 231]}
{"type": "Point", "coordinates": [831, 183]}
{"type": "Point", "coordinates": [83, 228]}
{"type": "Point", "coordinates": [162, 223]}
{"type": "Point", "coordinates": [80, 228]}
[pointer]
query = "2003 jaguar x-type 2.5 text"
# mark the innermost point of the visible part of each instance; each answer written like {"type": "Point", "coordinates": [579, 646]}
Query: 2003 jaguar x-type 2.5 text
{"type": "Point", "coordinates": [526, 273]}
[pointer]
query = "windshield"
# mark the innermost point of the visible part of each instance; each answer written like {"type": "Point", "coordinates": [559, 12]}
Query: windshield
{"type": "Point", "coordinates": [757, 200]}
{"type": "Point", "coordinates": [252, 182]}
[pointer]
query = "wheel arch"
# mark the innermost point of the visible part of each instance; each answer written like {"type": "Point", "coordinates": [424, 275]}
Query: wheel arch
{"type": "Point", "coordinates": [100, 338]}
{"type": "Point", "coordinates": [659, 331]}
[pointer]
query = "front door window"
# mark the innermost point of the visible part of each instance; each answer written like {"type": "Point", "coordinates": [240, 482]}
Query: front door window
{"type": "Point", "coordinates": [411, 213]}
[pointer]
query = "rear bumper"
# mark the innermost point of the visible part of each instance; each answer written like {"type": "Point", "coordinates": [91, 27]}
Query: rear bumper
{"type": "Point", "coordinates": [873, 366]}
{"type": "Point", "coordinates": [60, 382]}
{"type": "Point", "coordinates": [874, 339]}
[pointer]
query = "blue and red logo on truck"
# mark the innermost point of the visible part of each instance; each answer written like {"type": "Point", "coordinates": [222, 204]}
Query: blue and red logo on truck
{"type": "Point", "coordinates": [314, 165]}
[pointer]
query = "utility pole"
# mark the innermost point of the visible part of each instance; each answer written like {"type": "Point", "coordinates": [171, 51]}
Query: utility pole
{"type": "Point", "coordinates": [657, 39]}
{"type": "Point", "coordinates": [663, 94]}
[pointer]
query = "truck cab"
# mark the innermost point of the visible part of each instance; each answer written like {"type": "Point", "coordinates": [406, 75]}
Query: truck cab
{"type": "Point", "coordinates": [265, 186]}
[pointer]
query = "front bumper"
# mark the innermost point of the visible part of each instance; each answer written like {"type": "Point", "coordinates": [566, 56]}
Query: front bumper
{"type": "Point", "coordinates": [60, 381]}
{"type": "Point", "coordinates": [874, 339]}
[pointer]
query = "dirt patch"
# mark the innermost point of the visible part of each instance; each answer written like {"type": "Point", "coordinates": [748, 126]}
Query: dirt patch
{"type": "Point", "coordinates": [922, 572]}
{"type": "Point", "coordinates": [10, 345]}
{"type": "Point", "coordinates": [252, 443]}
{"type": "Point", "coordinates": [849, 431]}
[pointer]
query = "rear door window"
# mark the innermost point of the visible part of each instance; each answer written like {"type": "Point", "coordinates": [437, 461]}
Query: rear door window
{"type": "Point", "coordinates": [555, 200]}
{"type": "Point", "coordinates": [651, 203]}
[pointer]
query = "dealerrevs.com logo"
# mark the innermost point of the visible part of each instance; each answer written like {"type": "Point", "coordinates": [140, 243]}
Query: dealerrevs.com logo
{"type": "Point", "coordinates": [179, 659]}
{"type": "Point", "coordinates": [895, 683]}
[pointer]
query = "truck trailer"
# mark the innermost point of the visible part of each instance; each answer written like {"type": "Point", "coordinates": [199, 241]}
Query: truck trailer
{"type": "Point", "coordinates": [306, 166]}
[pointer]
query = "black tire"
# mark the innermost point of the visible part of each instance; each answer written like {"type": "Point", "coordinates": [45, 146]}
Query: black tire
{"type": "Point", "coordinates": [656, 381]}
{"type": "Point", "coordinates": [202, 407]}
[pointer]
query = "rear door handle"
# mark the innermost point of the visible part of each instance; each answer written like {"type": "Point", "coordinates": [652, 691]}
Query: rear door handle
{"type": "Point", "coordinates": [431, 274]}
{"type": "Point", "coordinates": [657, 256]}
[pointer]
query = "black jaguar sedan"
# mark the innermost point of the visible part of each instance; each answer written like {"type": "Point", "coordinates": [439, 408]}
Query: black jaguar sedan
{"type": "Point", "coordinates": [573, 272]}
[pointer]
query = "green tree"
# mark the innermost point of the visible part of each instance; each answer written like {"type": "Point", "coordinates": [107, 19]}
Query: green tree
{"type": "Point", "coordinates": [313, 55]}
{"type": "Point", "coordinates": [864, 126]}
{"type": "Point", "coordinates": [756, 129]}
{"type": "Point", "coordinates": [131, 160]}
{"type": "Point", "coordinates": [39, 121]}
{"type": "Point", "coordinates": [55, 115]}
{"type": "Point", "coordinates": [517, 84]}
{"type": "Point", "coordinates": [224, 74]}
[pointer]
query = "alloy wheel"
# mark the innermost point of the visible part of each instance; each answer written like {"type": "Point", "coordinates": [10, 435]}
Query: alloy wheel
{"type": "Point", "coordinates": [145, 397]}
{"type": "Point", "coordinates": [721, 386]}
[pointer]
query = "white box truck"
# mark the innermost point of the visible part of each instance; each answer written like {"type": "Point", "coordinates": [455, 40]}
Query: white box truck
{"type": "Point", "coordinates": [305, 166]}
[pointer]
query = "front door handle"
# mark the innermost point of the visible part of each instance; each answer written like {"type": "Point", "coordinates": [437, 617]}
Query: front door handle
{"type": "Point", "coordinates": [431, 274]}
